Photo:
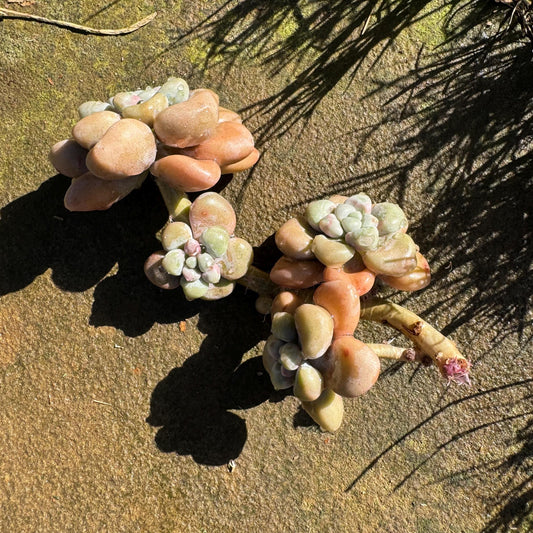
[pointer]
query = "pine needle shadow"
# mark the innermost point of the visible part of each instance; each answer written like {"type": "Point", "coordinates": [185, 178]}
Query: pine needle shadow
{"type": "Point", "coordinates": [514, 466]}
{"type": "Point", "coordinates": [462, 118]}
{"type": "Point", "coordinates": [514, 504]}
{"type": "Point", "coordinates": [322, 42]}
{"type": "Point", "coordinates": [468, 115]}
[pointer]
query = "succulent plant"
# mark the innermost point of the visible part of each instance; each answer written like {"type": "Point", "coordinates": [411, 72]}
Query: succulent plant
{"type": "Point", "coordinates": [312, 349]}
{"type": "Point", "coordinates": [332, 254]}
{"type": "Point", "coordinates": [184, 138]}
{"type": "Point", "coordinates": [360, 224]}
{"type": "Point", "coordinates": [201, 255]}
{"type": "Point", "coordinates": [332, 257]}
{"type": "Point", "coordinates": [349, 230]}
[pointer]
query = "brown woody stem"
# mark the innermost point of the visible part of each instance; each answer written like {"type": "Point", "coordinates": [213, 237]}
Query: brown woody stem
{"type": "Point", "coordinates": [427, 340]}
{"type": "Point", "coordinates": [452, 364]}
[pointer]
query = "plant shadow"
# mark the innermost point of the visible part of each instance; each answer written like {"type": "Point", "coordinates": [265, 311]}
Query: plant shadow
{"type": "Point", "coordinates": [510, 508]}
{"type": "Point", "coordinates": [101, 250]}
{"type": "Point", "coordinates": [462, 117]}
{"type": "Point", "coordinates": [193, 406]}
{"type": "Point", "coordinates": [466, 117]}
{"type": "Point", "coordinates": [106, 250]}
{"type": "Point", "coordinates": [37, 233]}
{"type": "Point", "coordinates": [473, 141]}
{"type": "Point", "coordinates": [322, 43]}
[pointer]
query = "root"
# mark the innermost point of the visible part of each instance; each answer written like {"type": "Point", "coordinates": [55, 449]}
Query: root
{"type": "Point", "coordinates": [397, 353]}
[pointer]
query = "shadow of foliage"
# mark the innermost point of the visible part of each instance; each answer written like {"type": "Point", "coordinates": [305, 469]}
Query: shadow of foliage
{"type": "Point", "coordinates": [192, 404]}
{"type": "Point", "coordinates": [37, 233]}
{"type": "Point", "coordinates": [510, 509]}
{"type": "Point", "coordinates": [472, 111]}
{"type": "Point", "coordinates": [301, 419]}
{"type": "Point", "coordinates": [322, 42]}
{"type": "Point", "coordinates": [516, 502]}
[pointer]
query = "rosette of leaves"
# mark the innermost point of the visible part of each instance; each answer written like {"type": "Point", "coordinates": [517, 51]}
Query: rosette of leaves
{"type": "Point", "coordinates": [349, 237]}
{"type": "Point", "coordinates": [183, 138]}
{"type": "Point", "coordinates": [312, 350]}
{"type": "Point", "coordinates": [201, 254]}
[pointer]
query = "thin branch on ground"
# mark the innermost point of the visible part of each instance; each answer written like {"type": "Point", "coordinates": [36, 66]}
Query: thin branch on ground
{"type": "Point", "coordinates": [523, 9]}
{"type": "Point", "coordinates": [10, 14]}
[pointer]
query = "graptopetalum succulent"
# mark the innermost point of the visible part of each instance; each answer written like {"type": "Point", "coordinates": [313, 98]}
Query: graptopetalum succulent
{"type": "Point", "coordinates": [332, 254]}
{"type": "Point", "coordinates": [200, 252]}
{"type": "Point", "coordinates": [183, 138]}
{"type": "Point", "coordinates": [331, 258]}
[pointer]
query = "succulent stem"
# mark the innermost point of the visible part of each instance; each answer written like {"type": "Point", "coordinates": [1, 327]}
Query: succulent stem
{"type": "Point", "coordinates": [176, 202]}
{"type": "Point", "coordinates": [258, 281]}
{"type": "Point", "coordinates": [427, 340]}
{"type": "Point", "coordinates": [397, 353]}
{"type": "Point", "coordinates": [451, 363]}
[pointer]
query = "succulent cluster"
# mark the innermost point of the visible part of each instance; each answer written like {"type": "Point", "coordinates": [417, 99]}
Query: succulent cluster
{"type": "Point", "coordinates": [200, 252]}
{"type": "Point", "coordinates": [183, 138]}
{"type": "Point", "coordinates": [331, 256]}
{"type": "Point", "coordinates": [313, 350]}
{"type": "Point", "coordinates": [335, 252]}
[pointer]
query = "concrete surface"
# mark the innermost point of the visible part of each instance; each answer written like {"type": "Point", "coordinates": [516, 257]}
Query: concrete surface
{"type": "Point", "coordinates": [123, 406]}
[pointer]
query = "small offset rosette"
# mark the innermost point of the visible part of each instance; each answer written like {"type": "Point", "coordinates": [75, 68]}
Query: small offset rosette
{"type": "Point", "coordinates": [201, 255]}
{"type": "Point", "coordinates": [298, 338]}
{"type": "Point", "coordinates": [312, 350]}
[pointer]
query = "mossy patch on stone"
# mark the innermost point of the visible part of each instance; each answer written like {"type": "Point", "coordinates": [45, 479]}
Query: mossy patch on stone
{"type": "Point", "coordinates": [287, 27]}
{"type": "Point", "coordinates": [430, 26]}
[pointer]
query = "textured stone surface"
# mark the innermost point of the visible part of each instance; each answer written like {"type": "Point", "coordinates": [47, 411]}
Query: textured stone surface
{"type": "Point", "coordinates": [123, 404]}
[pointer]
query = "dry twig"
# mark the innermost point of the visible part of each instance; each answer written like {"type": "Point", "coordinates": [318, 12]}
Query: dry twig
{"type": "Point", "coordinates": [8, 13]}
{"type": "Point", "coordinates": [523, 9]}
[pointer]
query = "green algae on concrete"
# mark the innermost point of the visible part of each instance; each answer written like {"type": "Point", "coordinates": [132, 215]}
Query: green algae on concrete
{"type": "Point", "coordinates": [431, 27]}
